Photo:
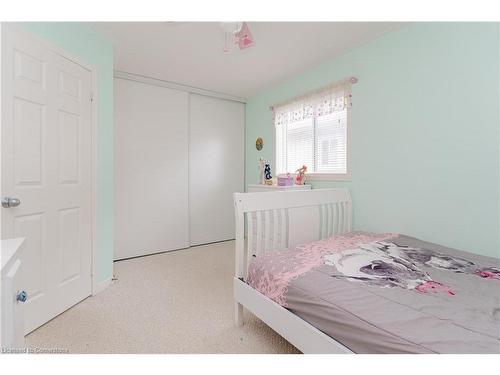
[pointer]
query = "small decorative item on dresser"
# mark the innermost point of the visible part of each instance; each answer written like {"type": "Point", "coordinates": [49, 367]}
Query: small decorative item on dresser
{"type": "Point", "coordinates": [259, 143]}
{"type": "Point", "coordinates": [300, 179]}
{"type": "Point", "coordinates": [261, 171]}
{"type": "Point", "coordinates": [267, 174]}
{"type": "Point", "coordinates": [285, 179]}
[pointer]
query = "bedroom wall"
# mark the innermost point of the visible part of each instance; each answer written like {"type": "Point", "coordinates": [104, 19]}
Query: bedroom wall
{"type": "Point", "coordinates": [92, 48]}
{"type": "Point", "coordinates": [425, 132]}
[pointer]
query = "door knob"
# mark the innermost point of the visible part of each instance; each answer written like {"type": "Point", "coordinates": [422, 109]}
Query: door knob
{"type": "Point", "coordinates": [22, 296]}
{"type": "Point", "coordinates": [9, 202]}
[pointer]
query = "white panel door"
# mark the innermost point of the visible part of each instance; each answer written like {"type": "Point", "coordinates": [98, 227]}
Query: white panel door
{"type": "Point", "coordinates": [151, 169]}
{"type": "Point", "coordinates": [46, 163]}
{"type": "Point", "coordinates": [216, 166]}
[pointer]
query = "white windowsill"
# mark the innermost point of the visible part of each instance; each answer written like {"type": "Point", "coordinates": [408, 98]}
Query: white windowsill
{"type": "Point", "coordinates": [328, 177]}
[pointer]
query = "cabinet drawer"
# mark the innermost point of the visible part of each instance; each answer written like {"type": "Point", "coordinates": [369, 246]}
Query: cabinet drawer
{"type": "Point", "coordinates": [12, 310]}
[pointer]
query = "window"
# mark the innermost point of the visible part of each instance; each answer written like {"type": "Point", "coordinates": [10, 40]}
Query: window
{"type": "Point", "coordinates": [314, 131]}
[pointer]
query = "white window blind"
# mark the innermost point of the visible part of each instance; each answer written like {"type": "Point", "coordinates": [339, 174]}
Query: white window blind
{"type": "Point", "coordinates": [331, 143]}
{"type": "Point", "coordinates": [313, 131]}
{"type": "Point", "coordinates": [299, 144]}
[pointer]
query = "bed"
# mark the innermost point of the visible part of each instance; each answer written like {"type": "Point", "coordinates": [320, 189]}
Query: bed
{"type": "Point", "coordinates": [356, 292]}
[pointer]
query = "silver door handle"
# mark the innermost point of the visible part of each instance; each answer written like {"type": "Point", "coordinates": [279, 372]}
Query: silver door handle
{"type": "Point", "coordinates": [9, 202]}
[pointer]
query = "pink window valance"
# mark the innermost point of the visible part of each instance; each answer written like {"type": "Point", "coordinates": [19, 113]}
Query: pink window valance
{"type": "Point", "coordinates": [327, 100]}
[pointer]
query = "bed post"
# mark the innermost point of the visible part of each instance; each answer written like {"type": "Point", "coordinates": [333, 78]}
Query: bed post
{"type": "Point", "coordinates": [349, 211]}
{"type": "Point", "coordinates": [239, 254]}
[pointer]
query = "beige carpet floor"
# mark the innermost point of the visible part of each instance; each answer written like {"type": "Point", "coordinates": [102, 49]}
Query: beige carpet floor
{"type": "Point", "coordinates": [176, 302]}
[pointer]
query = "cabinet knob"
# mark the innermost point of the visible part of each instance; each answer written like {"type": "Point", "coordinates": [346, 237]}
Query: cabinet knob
{"type": "Point", "coordinates": [22, 296]}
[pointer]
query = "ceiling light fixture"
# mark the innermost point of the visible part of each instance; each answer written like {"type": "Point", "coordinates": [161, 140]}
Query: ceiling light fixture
{"type": "Point", "coordinates": [239, 32]}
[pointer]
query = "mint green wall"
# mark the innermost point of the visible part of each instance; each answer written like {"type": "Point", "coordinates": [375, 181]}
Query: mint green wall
{"type": "Point", "coordinates": [425, 132]}
{"type": "Point", "coordinates": [93, 49]}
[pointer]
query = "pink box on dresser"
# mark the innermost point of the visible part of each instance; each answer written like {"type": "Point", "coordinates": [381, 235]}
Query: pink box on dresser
{"type": "Point", "coordinates": [285, 180]}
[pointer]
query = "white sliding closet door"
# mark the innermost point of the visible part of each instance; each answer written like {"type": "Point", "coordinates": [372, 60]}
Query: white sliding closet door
{"type": "Point", "coordinates": [216, 166]}
{"type": "Point", "coordinates": [151, 169]}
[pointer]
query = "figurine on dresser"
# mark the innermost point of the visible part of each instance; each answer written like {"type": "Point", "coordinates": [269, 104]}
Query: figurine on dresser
{"type": "Point", "coordinates": [300, 178]}
{"type": "Point", "coordinates": [268, 178]}
{"type": "Point", "coordinates": [265, 176]}
{"type": "Point", "coordinates": [261, 171]}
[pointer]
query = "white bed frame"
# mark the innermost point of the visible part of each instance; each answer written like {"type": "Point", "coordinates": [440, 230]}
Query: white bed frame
{"type": "Point", "coordinates": [268, 228]}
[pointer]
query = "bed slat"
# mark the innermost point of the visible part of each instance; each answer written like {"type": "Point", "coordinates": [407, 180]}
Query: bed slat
{"type": "Point", "coordinates": [331, 224]}
{"type": "Point", "coordinates": [258, 233]}
{"type": "Point", "coordinates": [328, 219]}
{"type": "Point", "coordinates": [340, 222]}
{"type": "Point", "coordinates": [287, 228]}
{"type": "Point", "coordinates": [321, 220]}
{"type": "Point", "coordinates": [346, 213]}
{"type": "Point", "coordinates": [274, 237]}
{"type": "Point", "coordinates": [349, 216]}
{"type": "Point", "coordinates": [250, 237]}
{"type": "Point", "coordinates": [267, 230]}
{"type": "Point", "coordinates": [281, 229]}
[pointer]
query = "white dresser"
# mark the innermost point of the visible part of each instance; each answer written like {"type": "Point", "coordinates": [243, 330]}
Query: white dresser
{"type": "Point", "coordinates": [254, 188]}
{"type": "Point", "coordinates": [12, 296]}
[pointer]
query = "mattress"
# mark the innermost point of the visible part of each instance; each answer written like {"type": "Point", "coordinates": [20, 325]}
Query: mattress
{"type": "Point", "coordinates": [387, 293]}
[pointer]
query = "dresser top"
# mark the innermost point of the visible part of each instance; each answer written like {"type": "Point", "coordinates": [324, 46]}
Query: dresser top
{"type": "Point", "coordinates": [8, 249]}
{"type": "Point", "coordinates": [276, 187]}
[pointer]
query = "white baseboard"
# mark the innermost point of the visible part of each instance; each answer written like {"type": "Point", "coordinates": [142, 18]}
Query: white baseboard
{"type": "Point", "coordinates": [101, 285]}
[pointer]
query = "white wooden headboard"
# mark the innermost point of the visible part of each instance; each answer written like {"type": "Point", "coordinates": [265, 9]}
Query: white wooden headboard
{"type": "Point", "coordinates": [273, 219]}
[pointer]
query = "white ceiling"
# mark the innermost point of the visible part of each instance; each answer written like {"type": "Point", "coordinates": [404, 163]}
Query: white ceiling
{"type": "Point", "coordinates": [191, 53]}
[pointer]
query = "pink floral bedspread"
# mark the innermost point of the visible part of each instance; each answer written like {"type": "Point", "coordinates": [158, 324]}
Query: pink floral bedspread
{"type": "Point", "coordinates": [272, 273]}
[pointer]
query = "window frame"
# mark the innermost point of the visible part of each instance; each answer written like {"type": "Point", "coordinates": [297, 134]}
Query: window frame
{"type": "Point", "coordinates": [325, 176]}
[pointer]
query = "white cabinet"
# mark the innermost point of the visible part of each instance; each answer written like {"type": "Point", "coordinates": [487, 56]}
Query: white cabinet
{"type": "Point", "coordinates": [12, 297]}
